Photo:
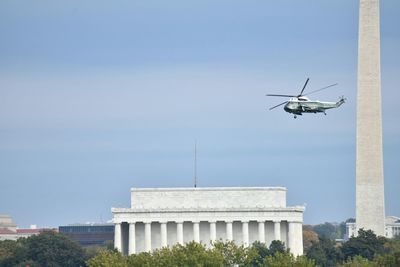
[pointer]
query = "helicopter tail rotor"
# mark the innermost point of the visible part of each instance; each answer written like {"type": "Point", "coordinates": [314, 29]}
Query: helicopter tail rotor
{"type": "Point", "coordinates": [342, 100]}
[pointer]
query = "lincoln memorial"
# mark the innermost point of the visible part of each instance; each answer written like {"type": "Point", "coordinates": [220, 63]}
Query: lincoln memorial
{"type": "Point", "coordinates": [160, 217]}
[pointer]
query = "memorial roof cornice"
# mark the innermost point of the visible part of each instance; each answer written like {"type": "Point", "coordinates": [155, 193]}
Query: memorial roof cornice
{"type": "Point", "coordinates": [201, 209]}
{"type": "Point", "coordinates": [171, 189]}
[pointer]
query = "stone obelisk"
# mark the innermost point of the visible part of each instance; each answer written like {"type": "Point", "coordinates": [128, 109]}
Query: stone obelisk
{"type": "Point", "coordinates": [370, 203]}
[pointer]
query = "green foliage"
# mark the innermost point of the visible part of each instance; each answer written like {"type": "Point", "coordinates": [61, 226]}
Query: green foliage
{"type": "Point", "coordinates": [192, 254]}
{"type": "Point", "coordinates": [197, 255]}
{"type": "Point", "coordinates": [234, 255]}
{"type": "Point", "coordinates": [332, 230]}
{"type": "Point", "coordinates": [146, 259]}
{"type": "Point", "coordinates": [326, 230]}
{"type": "Point", "coordinates": [52, 249]}
{"type": "Point", "coordinates": [324, 253]}
{"type": "Point", "coordinates": [287, 260]}
{"type": "Point", "coordinates": [388, 260]}
{"type": "Point", "coordinates": [391, 256]}
{"type": "Point", "coordinates": [358, 261]}
{"type": "Point", "coordinates": [277, 246]}
{"type": "Point", "coordinates": [309, 237]}
{"type": "Point", "coordinates": [46, 249]}
{"type": "Point", "coordinates": [366, 245]}
{"type": "Point", "coordinates": [261, 251]}
{"type": "Point", "coordinates": [341, 230]}
{"type": "Point", "coordinates": [7, 249]}
{"type": "Point", "coordinates": [108, 258]}
{"type": "Point", "coordinates": [92, 251]}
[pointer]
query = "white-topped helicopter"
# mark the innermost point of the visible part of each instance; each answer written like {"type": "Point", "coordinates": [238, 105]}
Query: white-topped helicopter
{"type": "Point", "coordinates": [299, 104]}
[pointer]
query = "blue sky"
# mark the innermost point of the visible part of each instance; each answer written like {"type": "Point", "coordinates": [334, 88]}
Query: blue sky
{"type": "Point", "coordinates": [97, 97]}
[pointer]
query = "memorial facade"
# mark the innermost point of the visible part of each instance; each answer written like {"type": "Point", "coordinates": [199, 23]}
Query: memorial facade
{"type": "Point", "coordinates": [160, 217]}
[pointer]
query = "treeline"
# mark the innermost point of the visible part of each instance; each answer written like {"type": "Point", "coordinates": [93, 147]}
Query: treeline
{"type": "Point", "coordinates": [46, 249]}
{"type": "Point", "coordinates": [54, 249]}
{"type": "Point", "coordinates": [365, 250]}
{"type": "Point", "coordinates": [328, 230]}
{"type": "Point", "coordinates": [195, 254]}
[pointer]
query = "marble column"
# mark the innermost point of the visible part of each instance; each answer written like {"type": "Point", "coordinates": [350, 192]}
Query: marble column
{"type": "Point", "coordinates": [213, 231]}
{"type": "Point", "coordinates": [147, 236]}
{"type": "Point", "coordinates": [132, 239]}
{"type": "Point", "coordinates": [196, 232]}
{"type": "Point", "coordinates": [118, 237]}
{"type": "Point", "coordinates": [179, 232]}
{"type": "Point", "coordinates": [261, 231]}
{"type": "Point", "coordinates": [277, 230]}
{"type": "Point", "coordinates": [164, 240]}
{"type": "Point", "coordinates": [229, 231]}
{"type": "Point", "coordinates": [245, 232]}
{"type": "Point", "coordinates": [291, 236]}
{"type": "Point", "coordinates": [295, 238]}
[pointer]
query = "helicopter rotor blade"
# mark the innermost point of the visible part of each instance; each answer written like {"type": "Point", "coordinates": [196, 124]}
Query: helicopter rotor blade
{"type": "Point", "coordinates": [282, 95]}
{"type": "Point", "coordinates": [323, 88]}
{"type": "Point", "coordinates": [278, 105]}
{"type": "Point", "coordinates": [304, 87]}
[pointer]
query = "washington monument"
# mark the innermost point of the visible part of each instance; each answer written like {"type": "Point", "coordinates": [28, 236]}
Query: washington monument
{"type": "Point", "coordinates": [370, 203]}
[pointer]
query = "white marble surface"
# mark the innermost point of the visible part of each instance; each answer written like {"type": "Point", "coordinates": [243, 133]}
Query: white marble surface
{"type": "Point", "coordinates": [180, 215]}
{"type": "Point", "coordinates": [211, 197]}
{"type": "Point", "coordinates": [370, 205]}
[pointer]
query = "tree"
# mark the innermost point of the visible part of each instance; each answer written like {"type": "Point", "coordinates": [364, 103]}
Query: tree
{"type": "Point", "coordinates": [192, 254]}
{"type": "Point", "coordinates": [326, 230]}
{"type": "Point", "coordinates": [391, 256]}
{"type": "Point", "coordinates": [53, 249]}
{"type": "Point", "coordinates": [46, 249]}
{"type": "Point", "coordinates": [358, 261]}
{"type": "Point", "coordinates": [108, 258]}
{"type": "Point", "coordinates": [261, 251]}
{"type": "Point", "coordinates": [10, 252]}
{"type": "Point", "coordinates": [235, 255]}
{"type": "Point", "coordinates": [388, 260]}
{"type": "Point", "coordinates": [366, 244]}
{"type": "Point", "coordinates": [309, 237]}
{"type": "Point", "coordinates": [324, 253]}
{"type": "Point", "coordinates": [287, 260]}
{"type": "Point", "coordinates": [277, 246]}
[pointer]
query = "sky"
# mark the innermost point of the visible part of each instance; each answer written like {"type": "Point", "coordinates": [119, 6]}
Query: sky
{"type": "Point", "coordinates": [97, 97]}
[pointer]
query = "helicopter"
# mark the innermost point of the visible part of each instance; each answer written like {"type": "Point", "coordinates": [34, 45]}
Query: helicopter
{"type": "Point", "coordinates": [299, 104]}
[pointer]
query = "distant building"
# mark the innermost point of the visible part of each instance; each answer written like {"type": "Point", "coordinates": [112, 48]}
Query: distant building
{"type": "Point", "coordinates": [10, 231]}
{"type": "Point", "coordinates": [89, 234]}
{"type": "Point", "coordinates": [392, 228]}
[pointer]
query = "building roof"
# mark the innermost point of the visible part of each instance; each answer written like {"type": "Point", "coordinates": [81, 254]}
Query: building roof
{"type": "Point", "coordinates": [5, 231]}
{"type": "Point", "coordinates": [88, 224]}
{"type": "Point", "coordinates": [392, 220]}
{"type": "Point", "coordinates": [29, 231]}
